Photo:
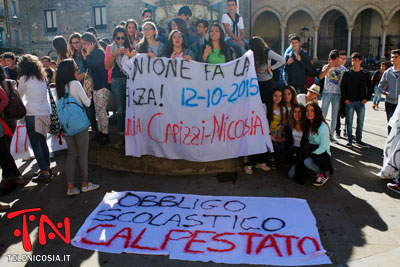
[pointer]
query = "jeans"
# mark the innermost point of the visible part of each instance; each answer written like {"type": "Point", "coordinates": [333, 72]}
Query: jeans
{"type": "Point", "coordinates": [311, 165]}
{"type": "Point", "coordinates": [292, 172]}
{"type": "Point", "coordinates": [359, 108]}
{"type": "Point", "coordinates": [335, 100]}
{"type": "Point", "coordinates": [390, 108]}
{"type": "Point", "coordinates": [240, 50]}
{"type": "Point", "coordinates": [118, 89]}
{"type": "Point", "coordinates": [377, 96]}
{"type": "Point", "coordinates": [38, 143]}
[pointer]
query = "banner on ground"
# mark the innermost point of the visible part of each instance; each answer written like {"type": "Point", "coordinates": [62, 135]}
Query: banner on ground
{"type": "Point", "coordinates": [242, 230]}
{"type": "Point", "coordinates": [181, 109]}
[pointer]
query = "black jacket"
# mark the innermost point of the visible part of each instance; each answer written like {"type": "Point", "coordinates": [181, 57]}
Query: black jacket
{"type": "Point", "coordinates": [364, 90]}
{"type": "Point", "coordinates": [297, 71]}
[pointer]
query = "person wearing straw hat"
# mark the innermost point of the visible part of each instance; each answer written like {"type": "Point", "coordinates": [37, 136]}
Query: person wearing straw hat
{"type": "Point", "coordinates": [311, 96]}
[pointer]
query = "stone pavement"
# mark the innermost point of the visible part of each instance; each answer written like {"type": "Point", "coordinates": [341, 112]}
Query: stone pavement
{"type": "Point", "coordinates": [357, 217]}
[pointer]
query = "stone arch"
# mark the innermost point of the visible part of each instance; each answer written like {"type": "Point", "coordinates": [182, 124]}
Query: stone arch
{"type": "Point", "coordinates": [301, 20]}
{"type": "Point", "coordinates": [265, 9]}
{"type": "Point", "coordinates": [271, 34]}
{"type": "Point", "coordinates": [332, 8]}
{"type": "Point", "coordinates": [365, 7]}
{"type": "Point", "coordinates": [300, 8]}
{"type": "Point", "coordinates": [333, 32]}
{"type": "Point", "coordinates": [392, 13]}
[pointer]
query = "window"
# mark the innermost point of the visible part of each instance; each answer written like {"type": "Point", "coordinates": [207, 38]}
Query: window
{"type": "Point", "coordinates": [2, 37]}
{"type": "Point", "coordinates": [14, 12]}
{"type": "Point", "coordinates": [100, 17]}
{"type": "Point", "coordinates": [51, 20]}
{"type": "Point", "coordinates": [16, 38]}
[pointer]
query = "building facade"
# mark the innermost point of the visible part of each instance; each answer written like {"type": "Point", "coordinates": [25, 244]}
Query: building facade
{"type": "Point", "coordinates": [372, 28]}
{"type": "Point", "coordinates": [369, 27]}
{"type": "Point", "coordinates": [11, 25]}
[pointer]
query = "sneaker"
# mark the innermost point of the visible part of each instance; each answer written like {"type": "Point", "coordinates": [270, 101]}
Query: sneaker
{"type": "Point", "coordinates": [73, 191]}
{"type": "Point", "coordinates": [349, 144]}
{"type": "Point", "coordinates": [334, 141]}
{"type": "Point", "coordinates": [362, 144]}
{"type": "Point", "coordinates": [19, 180]}
{"type": "Point", "coordinates": [321, 180]}
{"type": "Point", "coordinates": [248, 169]}
{"type": "Point", "coordinates": [42, 178]}
{"type": "Point", "coordinates": [393, 187]}
{"type": "Point", "coordinates": [4, 206]}
{"type": "Point", "coordinates": [90, 187]}
{"type": "Point", "coordinates": [36, 174]}
{"type": "Point", "coordinates": [263, 167]}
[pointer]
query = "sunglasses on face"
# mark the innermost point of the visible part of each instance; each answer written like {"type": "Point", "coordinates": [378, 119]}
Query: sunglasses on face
{"type": "Point", "coordinates": [120, 38]}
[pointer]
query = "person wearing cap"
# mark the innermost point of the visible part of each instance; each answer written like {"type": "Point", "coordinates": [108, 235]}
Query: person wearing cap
{"type": "Point", "coordinates": [311, 96]}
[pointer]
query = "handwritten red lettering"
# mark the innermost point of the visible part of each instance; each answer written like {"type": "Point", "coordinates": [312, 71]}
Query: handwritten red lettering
{"type": "Point", "coordinates": [168, 237]}
{"type": "Point", "coordinates": [194, 240]}
{"type": "Point", "coordinates": [217, 238]}
{"type": "Point", "coordinates": [250, 240]}
{"type": "Point", "coordinates": [138, 238]}
{"type": "Point", "coordinates": [271, 245]}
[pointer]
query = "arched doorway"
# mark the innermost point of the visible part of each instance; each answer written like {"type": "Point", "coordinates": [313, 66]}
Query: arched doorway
{"type": "Point", "coordinates": [366, 36]}
{"type": "Point", "coordinates": [301, 23]}
{"type": "Point", "coordinates": [267, 26]}
{"type": "Point", "coordinates": [393, 35]}
{"type": "Point", "coordinates": [332, 33]}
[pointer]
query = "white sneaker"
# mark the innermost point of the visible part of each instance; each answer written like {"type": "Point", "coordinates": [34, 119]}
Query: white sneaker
{"type": "Point", "coordinates": [248, 169]}
{"type": "Point", "coordinates": [263, 167]}
{"type": "Point", "coordinates": [334, 141]}
{"type": "Point", "coordinates": [90, 187]}
{"type": "Point", "coordinates": [73, 191]}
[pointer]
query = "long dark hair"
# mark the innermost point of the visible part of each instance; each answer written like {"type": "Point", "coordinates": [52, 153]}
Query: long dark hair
{"type": "Point", "coordinates": [75, 35]}
{"type": "Point", "coordinates": [118, 29]}
{"type": "Point", "coordinates": [258, 46]}
{"type": "Point", "coordinates": [293, 101]}
{"type": "Point", "coordinates": [143, 45]}
{"type": "Point", "coordinates": [30, 66]}
{"type": "Point", "coordinates": [61, 46]}
{"type": "Point", "coordinates": [303, 119]}
{"type": "Point", "coordinates": [89, 37]}
{"type": "Point", "coordinates": [65, 74]}
{"type": "Point", "coordinates": [222, 44]}
{"type": "Point", "coordinates": [169, 48]}
{"type": "Point", "coordinates": [317, 121]}
{"type": "Point", "coordinates": [181, 25]}
{"type": "Point", "coordinates": [3, 75]}
{"type": "Point", "coordinates": [131, 21]}
{"type": "Point", "coordinates": [270, 105]}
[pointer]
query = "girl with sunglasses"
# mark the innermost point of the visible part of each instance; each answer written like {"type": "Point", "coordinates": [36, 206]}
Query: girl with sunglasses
{"type": "Point", "coordinates": [113, 61]}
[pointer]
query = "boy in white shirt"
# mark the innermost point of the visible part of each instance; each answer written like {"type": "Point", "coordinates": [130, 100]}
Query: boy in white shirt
{"type": "Point", "coordinates": [233, 27]}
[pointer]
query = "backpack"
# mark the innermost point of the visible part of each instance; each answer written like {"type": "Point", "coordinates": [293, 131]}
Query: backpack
{"type": "Point", "coordinates": [15, 110]}
{"type": "Point", "coordinates": [276, 74]}
{"type": "Point", "coordinates": [71, 114]}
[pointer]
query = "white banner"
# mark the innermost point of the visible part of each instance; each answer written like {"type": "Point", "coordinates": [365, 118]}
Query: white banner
{"type": "Point", "coordinates": [182, 109]}
{"type": "Point", "coordinates": [242, 230]}
{"type": "Point", "coordinates": [391, 151]}
{"type": "Point", "coordinates": [20, 147]}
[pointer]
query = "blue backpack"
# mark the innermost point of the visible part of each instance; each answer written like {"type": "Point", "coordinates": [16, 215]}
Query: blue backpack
{"type": "Point", "coordinates": [71, 114]}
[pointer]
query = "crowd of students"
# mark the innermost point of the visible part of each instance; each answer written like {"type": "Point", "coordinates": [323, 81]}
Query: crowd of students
{"type": "Point", "coordinates": [91, 70]}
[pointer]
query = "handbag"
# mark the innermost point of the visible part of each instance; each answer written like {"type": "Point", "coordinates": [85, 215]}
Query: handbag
{"type": "Point", "coordinates": [88, 82]}
{"type": "Point", "coordinates": [15, 110]}
{"type": "Point", "coordinates": [55, 125]}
